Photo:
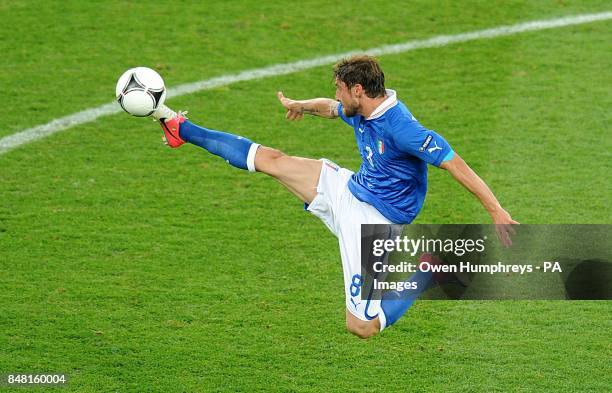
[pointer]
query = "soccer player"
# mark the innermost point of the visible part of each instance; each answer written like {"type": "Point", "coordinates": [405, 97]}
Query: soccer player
{"type": "Point", "coordinates": [389, 187]}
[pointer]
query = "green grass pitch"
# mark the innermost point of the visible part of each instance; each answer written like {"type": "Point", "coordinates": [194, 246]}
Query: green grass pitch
{"type": "Point", "coordinates": [133, 267]}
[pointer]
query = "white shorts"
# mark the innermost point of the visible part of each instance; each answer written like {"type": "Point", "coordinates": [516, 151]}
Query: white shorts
{"type": "Point", "coordinates": [343, 214]}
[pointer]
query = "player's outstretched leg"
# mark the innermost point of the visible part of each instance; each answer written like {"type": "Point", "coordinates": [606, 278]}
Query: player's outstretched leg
{"type": "Point", "coordinates": [299, 175]}
{"type": "Point", "coordinates": [235, 150]}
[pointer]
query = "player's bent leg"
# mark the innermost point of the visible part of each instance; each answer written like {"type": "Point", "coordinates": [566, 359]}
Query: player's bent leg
{"type": "Point", "coordinates": [361, 328]}
{"type": "Point", "coordinates": [299, 175]}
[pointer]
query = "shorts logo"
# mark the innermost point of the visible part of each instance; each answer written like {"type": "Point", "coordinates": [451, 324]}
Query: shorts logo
{"type": "Point", "coordinates": [426, 143]}
{"type": "Point", "coordinates": [381, 147]}
{"type": "Point", "coordinates": [330, 165]}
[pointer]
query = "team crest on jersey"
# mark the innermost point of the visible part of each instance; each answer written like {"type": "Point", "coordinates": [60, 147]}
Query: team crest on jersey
{"type": "Point", "coordinates": [381, 146]}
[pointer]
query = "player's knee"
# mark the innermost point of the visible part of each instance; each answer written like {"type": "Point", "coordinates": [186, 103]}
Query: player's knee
{"type": "Point", "coordinates": [267, 159]}
{"type": "Point", "coordinates": [362, 329]}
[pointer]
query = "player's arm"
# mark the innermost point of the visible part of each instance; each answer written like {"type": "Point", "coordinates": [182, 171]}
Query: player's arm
{"type": "Point", "coordinates": [323, 107]}
{"type": "Point", "coordinates": [461, 171]}
{"type": "Point", "coordinates": [410, 137]}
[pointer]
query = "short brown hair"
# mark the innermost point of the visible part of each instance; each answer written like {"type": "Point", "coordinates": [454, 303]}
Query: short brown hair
{"type": "Point", "coordinates": [363, 70]}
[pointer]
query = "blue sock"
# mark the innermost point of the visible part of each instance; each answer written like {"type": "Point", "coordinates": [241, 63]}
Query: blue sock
{"type": "Point", "coordinates": [395, 303]}
{"type": "Point", "coordinates": [234, 149]}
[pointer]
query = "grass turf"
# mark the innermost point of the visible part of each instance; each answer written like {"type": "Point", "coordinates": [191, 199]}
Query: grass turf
{"type": "Point", "coordinates": [134, 267]}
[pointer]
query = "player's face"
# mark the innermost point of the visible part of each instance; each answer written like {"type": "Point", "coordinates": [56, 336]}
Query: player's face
{"type": "Point", "coordinates": [348, 98]}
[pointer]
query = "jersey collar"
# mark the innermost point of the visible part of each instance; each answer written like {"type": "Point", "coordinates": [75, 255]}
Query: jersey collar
{"type": "Point", "coordinates": [387, 104]}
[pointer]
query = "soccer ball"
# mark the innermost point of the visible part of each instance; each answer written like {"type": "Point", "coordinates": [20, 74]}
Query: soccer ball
{"type": "Point", "coordinates": [140, 91]}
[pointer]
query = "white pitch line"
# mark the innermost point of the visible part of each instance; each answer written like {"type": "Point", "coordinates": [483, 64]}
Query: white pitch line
{"type": "Point", "coordinates": [38, 132]}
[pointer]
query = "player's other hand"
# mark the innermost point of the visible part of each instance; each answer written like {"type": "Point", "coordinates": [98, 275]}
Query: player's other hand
{"type": "Point", "coordinates": [503, 226]}
{"type": "Point", "coordinates": [294, 108]}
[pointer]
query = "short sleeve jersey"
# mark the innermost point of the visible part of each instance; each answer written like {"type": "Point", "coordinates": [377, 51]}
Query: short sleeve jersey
{"type": "Point", "coordinates": [395, 149]}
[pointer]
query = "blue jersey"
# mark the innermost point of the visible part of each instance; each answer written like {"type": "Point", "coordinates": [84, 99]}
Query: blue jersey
{"type": "Point", "coordinates": [395, 149]}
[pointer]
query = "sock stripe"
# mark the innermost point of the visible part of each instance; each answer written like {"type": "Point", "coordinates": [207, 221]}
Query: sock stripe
{"type": "Point", "coordinates": [250, 161]}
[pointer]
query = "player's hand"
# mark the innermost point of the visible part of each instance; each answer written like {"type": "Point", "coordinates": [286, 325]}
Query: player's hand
{"type": "Point", "coordinates": [294, 108]}
{"type": "Point", "coordinates": [503, 226]}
